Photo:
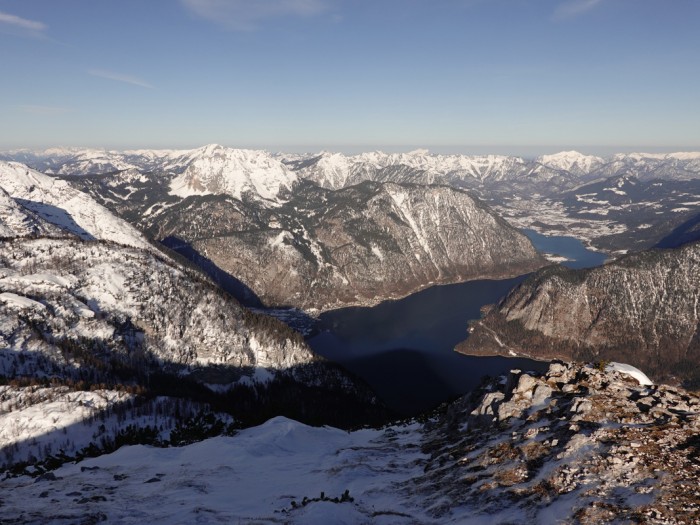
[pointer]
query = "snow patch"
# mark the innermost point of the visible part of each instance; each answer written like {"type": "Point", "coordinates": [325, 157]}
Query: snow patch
{"type": "Point", "coordinates": [631, 371]}
{"type": "Point", "coordinates": [18, 301]}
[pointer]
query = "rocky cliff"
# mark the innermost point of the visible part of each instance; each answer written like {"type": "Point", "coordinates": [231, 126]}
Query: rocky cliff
{"type": "Point", "coordinates": [642, 309]}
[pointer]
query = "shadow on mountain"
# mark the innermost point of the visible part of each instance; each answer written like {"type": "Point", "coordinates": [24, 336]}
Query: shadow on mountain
{"type": "Point", "coordinates": [56, 216]}
{"type": "Point", "coordinates": [296, 319]}
{"type": "Point", "coordinates": [316, 393]}
{"type": "Point", "coordinates": [687, 232]}
{"type": "Point", "coordinates": [233, 286]}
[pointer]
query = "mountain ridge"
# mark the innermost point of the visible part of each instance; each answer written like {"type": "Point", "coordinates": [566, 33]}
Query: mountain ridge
{"type": "Point", "coordinates": [641, 308]}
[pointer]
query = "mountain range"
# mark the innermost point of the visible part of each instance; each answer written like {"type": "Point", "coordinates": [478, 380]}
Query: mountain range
{"type": "Point", "coordinates": [248, 217]}
{"type": "Point", "coordinates": [119, 328]}
{"type": "Point", "coordinates": [544, 193]}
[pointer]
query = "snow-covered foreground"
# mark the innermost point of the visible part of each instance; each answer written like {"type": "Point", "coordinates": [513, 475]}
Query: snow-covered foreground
{"type": "Point", "coordinates": [252, 477]}
{"type": "Point", "coordinates": [575, 445]}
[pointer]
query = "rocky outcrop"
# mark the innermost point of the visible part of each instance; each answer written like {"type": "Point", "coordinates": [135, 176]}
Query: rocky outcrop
{"type": "Point", "coordinates": [578, 444]}
{"type": "Point", "coordinates": [641, 309]}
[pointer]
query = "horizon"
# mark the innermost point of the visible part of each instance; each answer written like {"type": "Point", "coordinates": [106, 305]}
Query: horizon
{"type": "Point", "coordinates": [464, 76]}
{"type": "Point", "coordinates": [525, 152]}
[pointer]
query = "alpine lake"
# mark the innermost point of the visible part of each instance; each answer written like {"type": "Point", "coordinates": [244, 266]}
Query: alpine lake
{"type": "Point", "coordinates": [404, 349]}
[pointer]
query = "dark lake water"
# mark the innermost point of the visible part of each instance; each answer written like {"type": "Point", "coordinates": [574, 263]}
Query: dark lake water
{"type": "Point", "coordinates": [404, 349]}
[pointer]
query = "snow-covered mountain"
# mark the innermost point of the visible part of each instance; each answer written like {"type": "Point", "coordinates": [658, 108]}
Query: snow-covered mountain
{"type": "Point", "coordinates": [61, 205]}
{"type": "Point", "coordinates": [363, 244]}
{"type": "Point", "coordinates": [575, 445]}
{"type": "Point", "coordinates": [674, 166]}
{"type": "Point", "coordinates": [217, 170]}
{"type": "Point", "coordinates": [529, 193]}
{"type": "Point", "coordinates": [572, 161]}
{"type": "Point", "coordinates": [211, 169]}
{"type": "Point", "coordinates": [335, 170]}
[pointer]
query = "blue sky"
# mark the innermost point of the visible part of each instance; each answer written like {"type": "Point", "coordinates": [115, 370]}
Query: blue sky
{"type": "Point", "coordinates": [473, 76]}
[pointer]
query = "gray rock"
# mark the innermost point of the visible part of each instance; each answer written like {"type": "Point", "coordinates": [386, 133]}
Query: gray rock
{"type": "Point", "coordinates": [541, 394]}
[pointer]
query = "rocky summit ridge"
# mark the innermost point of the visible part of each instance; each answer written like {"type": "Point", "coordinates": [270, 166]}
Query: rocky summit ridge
{"type": "Point", "coordinates": [579, 444]}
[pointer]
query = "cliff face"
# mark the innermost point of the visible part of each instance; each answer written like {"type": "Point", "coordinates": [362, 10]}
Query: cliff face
{"type": "Point", "coordinates": [361, 245]}
{"type": "Point", "coordinates": [642, 309]}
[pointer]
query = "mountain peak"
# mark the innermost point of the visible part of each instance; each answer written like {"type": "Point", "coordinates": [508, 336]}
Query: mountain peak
{"type": "Point", "coordinates": [211, 149]}
{"type": "Point", "coordinates": [572, 160]}
{"type": "Point", "coordinates": [215, 169]}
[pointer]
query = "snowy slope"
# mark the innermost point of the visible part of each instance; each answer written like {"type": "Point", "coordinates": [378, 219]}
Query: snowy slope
{"type": "Point", "coordinates": [18, 221]}
{"type": "Point", "coordinates": [122, 300]}
{"type": "Point", "coordinates": [56, 202]}
{"type": "Point", "coordinates": [251, 478]}
{"type": "Point", "coordinates": [576, 445]}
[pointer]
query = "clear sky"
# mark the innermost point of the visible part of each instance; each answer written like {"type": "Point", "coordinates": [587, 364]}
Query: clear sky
{"type": "Point", "coordinates": [488, 76]}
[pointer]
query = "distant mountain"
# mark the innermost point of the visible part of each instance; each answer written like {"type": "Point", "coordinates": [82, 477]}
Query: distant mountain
{"type": "Point", "coordinates": [640, 309]}
{"type": "Point", "coordinates": [529, 193]}
{"type": "Point", "coordinates": [334, 170]}
{"type": "Point", "coordinates": [215, 170]}
{"type": "Point", "coordinates": [493, 175]}
{"type": "Point", "coordinates": [212, 169]}
{"type": "Point", "coordinates": [573, 162]}
{"type": "Point", "coordinates": [673, 166]}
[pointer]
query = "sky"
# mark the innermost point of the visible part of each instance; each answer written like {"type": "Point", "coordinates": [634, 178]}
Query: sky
{"type": "Point", "coordinates": [459, 76]}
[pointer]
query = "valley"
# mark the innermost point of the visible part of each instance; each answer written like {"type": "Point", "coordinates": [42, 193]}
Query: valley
{"type": "Point", "coordinates": [164, 298]}
{"type": "Point", "coordinates": [321, 262]}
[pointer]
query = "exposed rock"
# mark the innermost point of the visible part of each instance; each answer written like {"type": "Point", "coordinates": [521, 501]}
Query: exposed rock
{"type": "Point", "coordinates": [641, 309]}
{"type": "Point", "coordinates": [607, 450]}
